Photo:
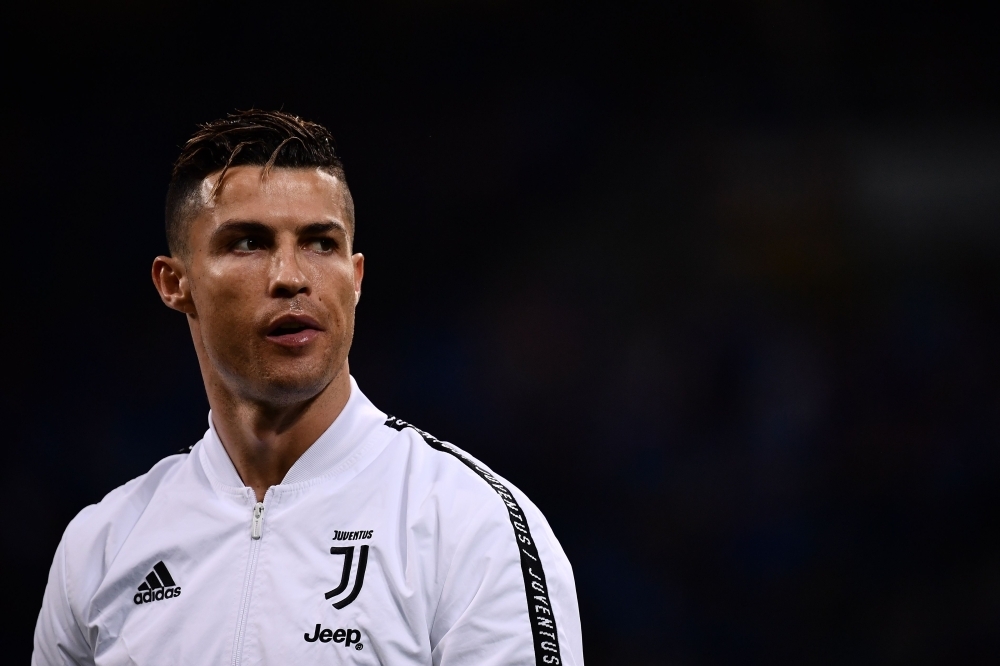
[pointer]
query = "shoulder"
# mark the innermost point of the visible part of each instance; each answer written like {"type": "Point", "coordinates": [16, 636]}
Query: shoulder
{"type": "Point", "coordinates": [466, 489]}
{"type": "Point", "coordinates": [438, 465]}
{"type": "Point", "coordinates": [94, 537]}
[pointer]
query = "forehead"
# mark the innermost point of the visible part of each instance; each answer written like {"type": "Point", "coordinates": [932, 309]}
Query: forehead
{"type": "Point", "coordinates": [283, 194]}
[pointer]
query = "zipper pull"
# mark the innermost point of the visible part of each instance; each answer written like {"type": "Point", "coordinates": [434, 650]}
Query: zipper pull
{"type": "Point", "coordinates": [258, 520]}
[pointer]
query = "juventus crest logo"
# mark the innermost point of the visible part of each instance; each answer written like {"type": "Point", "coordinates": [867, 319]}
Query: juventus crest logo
{"type": "Point", "coordinates": [345, 576]}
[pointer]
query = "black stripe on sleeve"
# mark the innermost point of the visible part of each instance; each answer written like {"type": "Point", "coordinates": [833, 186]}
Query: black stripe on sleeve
{"type": "Point", "coordinates": [540, 612]}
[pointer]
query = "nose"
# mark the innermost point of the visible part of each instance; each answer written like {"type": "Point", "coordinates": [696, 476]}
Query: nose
{"type": "Point", "coordinates": [288, 279]}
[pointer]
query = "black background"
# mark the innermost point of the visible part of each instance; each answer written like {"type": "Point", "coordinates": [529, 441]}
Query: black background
{"type": "Point", "coordinates": [714, 283]}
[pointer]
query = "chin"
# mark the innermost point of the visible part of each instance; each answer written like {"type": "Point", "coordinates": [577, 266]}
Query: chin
{"type": "Point", "coordinates": [290, 381]}
{"type": "Point", "coordinates": [288, 390]}
{"type": "Point", "coordinates": [282, 380]}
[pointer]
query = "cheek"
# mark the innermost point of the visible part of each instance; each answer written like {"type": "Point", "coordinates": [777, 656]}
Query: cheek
{"type": "Point", "coordinates": [224, 302]}
{"type": "Point", "coordinates": [337, 292]}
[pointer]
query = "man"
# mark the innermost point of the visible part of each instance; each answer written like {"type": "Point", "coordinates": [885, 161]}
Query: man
{"type": "Point", "coordinates": [306, 526]}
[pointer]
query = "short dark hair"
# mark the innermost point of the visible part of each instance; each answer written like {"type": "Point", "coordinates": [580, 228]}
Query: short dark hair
{"type": "Point", "coordinates": [258, 138]}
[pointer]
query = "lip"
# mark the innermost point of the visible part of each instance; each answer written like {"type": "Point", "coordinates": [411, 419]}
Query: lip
{"type": "Point", "coordinates": [300, 338]}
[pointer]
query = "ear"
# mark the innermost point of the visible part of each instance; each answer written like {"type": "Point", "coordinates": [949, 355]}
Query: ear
{"type": "Point", "coordinates": [171, 281]}
{"type": "Point", "coordinates": [359, 273]}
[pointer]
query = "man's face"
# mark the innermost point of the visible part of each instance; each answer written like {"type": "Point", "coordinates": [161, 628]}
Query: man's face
{"type": "Point", "coordinates": [273, 282]}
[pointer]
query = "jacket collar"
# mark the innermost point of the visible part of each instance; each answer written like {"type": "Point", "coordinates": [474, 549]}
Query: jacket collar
{"type": "Point", "coordinates": [334, 449]}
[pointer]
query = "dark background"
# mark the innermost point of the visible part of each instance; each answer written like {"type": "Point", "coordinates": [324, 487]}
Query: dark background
{"type": "Point", "coordinates": [714, 283]}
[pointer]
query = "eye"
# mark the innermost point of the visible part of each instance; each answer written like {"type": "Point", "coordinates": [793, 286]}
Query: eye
{"type": "Point", "coordinates": [247, 245]}
{"type": "Point", "coordinates": [321, 245]}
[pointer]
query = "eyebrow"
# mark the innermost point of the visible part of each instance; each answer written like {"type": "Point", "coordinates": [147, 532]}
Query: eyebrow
{"type": "Point", "coordinates": [322, 228]}
{"type": "Point", "coordinates": [241, 226]}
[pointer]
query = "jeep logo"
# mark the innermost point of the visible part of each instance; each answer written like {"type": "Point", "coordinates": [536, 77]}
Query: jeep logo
{"type": "Point", "coordinates": [348, 637]}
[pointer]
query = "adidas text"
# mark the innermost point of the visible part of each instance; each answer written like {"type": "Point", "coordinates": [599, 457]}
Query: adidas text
{"type": "Point", "coordinates": [156, 595]}
{"type": "Point", "coordinates": [348, 637]}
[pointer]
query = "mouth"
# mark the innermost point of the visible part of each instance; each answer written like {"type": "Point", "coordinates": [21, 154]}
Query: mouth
{"type": "Point", "coordinates": [293, 330]}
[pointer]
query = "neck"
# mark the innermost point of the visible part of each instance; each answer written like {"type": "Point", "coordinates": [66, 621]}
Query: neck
{"type": "Point", "coordinates": [265, 440]}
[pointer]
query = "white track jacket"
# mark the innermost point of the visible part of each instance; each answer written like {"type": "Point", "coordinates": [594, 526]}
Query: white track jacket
{"type": "Point", "coordinates": [382, 545]}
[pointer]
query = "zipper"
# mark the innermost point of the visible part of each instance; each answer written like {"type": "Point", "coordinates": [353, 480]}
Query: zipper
{"type": "Point", "coordinates": [256, 531]}
{"type": "Point", "coordinates": [257, 524]}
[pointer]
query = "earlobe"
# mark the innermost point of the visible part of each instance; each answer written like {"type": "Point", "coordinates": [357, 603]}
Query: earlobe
{"type": "Point", "coordinates": [171, 283]}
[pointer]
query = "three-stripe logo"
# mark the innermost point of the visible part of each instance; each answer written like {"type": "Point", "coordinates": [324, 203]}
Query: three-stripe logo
{"type": "Point", "coordinates": [159, 584]}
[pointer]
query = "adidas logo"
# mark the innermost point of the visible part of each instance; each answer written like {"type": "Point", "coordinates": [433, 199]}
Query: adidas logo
{"type": "Point", "coordinates": [159, 584]}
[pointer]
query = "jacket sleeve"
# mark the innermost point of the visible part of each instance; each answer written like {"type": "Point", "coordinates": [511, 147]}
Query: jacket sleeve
{"type": "Point", "coordinates": [509, 595]}
{"type": "Point", "coordinates": [58, 636]}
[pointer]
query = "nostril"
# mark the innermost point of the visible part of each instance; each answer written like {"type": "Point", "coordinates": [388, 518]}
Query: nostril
{"type": "Point", "coordinates": [289, 287]}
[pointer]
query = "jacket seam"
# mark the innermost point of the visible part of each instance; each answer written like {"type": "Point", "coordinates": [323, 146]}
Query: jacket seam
{"type": "Point", "coordinates": [131, 528]}
{"type": "Point", "coordinates": [69, 603]}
